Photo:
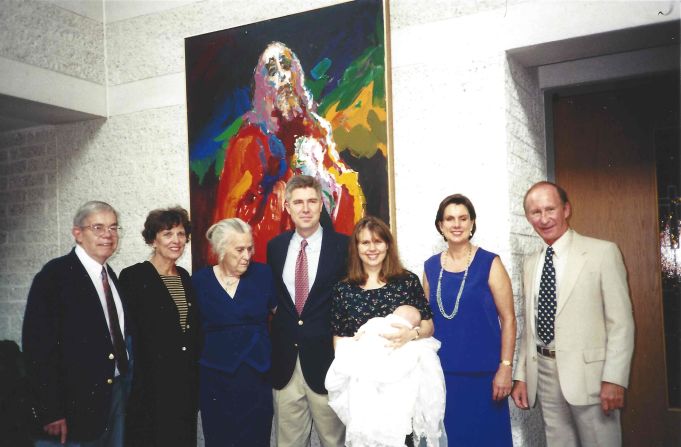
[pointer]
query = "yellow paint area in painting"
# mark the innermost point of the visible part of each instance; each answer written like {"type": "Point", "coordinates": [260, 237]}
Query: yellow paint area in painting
{"type": "Point", "coordinates": [350, 180]}
{"type": "Point", "coordinates": [237, 170]}
{"type": "Point", "coordinates": [361, 127]}
{"type": "Point", "coordinates": [238, 191]}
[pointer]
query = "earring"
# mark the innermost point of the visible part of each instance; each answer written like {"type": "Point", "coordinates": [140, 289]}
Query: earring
{"type": "Point", "coordinates": [471, 233]}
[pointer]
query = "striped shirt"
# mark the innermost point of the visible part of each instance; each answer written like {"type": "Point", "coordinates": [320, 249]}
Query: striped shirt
{"type": "Point", "coordinates": [174, 286]}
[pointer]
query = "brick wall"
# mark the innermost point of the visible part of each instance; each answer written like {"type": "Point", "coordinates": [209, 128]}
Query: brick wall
{"type": "Point", "coordinates": [526, 165]}
{"type": "Point", "coordinates": [29, 223]}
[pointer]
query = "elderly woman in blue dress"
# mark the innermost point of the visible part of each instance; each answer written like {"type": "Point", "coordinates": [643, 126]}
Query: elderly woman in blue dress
{"type": "Point", "coordinates": [235, 298]}
{"type": "Point", "coordinates": [472, 301]}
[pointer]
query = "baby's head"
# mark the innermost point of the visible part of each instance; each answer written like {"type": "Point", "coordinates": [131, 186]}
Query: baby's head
{"type": "Point", "coordinates": [409, 313]}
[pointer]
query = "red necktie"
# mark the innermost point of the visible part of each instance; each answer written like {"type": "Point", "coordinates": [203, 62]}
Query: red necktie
{"type": "Point", "coordinates": [115, 327]}
{"type": "Point", "coordinates": [302, 281]}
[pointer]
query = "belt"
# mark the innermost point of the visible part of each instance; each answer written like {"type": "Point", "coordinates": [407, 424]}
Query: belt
{"type": "Point", "coordinates": [546, 352]}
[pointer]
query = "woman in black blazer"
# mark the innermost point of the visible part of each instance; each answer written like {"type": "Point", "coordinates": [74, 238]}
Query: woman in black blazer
{"type": "Point", "coordinates": [162, 408]}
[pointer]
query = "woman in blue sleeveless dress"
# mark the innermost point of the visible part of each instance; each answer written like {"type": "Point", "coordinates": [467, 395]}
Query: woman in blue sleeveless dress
{"type": "Point", "coordinates": [472, 301]}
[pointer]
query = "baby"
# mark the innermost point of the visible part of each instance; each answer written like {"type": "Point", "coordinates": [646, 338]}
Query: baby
{"type": "Point", "coordinates": [405, 314]}
{"type": "Point", "coordinates": [383, 394]}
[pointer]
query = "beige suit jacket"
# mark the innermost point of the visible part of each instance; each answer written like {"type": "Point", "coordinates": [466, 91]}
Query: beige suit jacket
{"type": "Point", "coordinates": [594, 325]}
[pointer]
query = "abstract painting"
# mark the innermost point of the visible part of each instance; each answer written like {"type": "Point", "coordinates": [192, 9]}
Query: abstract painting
{"type": "Point", "coordinates": [301, 94]}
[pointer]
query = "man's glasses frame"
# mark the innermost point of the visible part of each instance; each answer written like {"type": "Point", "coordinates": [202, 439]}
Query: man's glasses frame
{"type": "Point", "coordinates": [100, 229]}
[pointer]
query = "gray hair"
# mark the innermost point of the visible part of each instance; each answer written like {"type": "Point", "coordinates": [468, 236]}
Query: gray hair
{"type": "Point", "coordinates": [302, 181]}
{"type": "Point", "coordinates": [220, 233]}
{"type": "Point", "coordinates": [91, 207]}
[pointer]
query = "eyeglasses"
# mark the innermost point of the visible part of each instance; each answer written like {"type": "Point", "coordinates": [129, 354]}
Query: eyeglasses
{"type": "Point", "coordinates": [100, 229]}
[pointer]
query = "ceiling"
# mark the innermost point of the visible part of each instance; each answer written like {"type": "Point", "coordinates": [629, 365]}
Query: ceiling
{"type": "Point", "coordinates": [16, 113]}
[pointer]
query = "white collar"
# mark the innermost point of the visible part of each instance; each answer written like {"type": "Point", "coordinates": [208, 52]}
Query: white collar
{"type": "Point", "coordinates": [312, 240]}
{"type": "Point", "coordinates": [561, 245]}
{"type": "Point", "coordinates": [88, 262]}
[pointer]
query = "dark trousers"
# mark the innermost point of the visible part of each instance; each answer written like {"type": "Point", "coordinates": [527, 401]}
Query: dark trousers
{"type": "Point", "coordinates": [113, 435]}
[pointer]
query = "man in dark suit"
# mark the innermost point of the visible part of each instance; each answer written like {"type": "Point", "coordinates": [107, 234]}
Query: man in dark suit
{"type": "Point", "coordinates": [306, 264]}
{"type": "Point", "coordinates": [74, 338]}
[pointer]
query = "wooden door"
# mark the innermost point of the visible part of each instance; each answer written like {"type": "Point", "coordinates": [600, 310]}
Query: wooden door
{"type": "Point", "coordinates": [605, 159]}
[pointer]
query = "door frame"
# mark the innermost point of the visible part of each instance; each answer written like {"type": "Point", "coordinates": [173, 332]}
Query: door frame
{"type": "Point", "coordinates": [604, 87]}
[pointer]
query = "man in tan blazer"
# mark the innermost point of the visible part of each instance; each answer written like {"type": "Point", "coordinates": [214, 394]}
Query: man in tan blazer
{"type": "Point", "coordinates": [578, 338]}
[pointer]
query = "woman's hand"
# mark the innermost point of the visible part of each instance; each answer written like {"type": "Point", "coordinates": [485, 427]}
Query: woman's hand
{"type": "Point", "coordinates": [400, 337]}
{"type": "Point", "coordinates": [501, 386]}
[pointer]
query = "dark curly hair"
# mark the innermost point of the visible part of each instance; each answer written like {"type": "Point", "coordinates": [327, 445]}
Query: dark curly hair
{"type": "Point", "coordinates": [165, 219]}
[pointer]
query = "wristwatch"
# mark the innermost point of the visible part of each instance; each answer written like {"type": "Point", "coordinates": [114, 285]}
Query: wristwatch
{"type": "Point", "coordinates": [506, 363]}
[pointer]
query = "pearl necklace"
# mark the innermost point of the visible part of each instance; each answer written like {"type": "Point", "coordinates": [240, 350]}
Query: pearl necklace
{"type": "Point", "coordinates": [438, 293]}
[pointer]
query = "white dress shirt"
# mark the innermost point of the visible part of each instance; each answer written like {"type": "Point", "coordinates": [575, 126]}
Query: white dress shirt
{"type": "Point", "coordinates": [94, 270]}
{"type": "Point", "coordinates": [561, 249]}
{"type": "Point", "coordinates": [313, 249]}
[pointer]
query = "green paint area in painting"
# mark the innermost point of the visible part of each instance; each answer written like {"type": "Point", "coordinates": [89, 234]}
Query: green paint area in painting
{"type": "Point", "coordinates": [318, 77]}
{"type": "Point", "coordinates": [364, 70]}
{"type": "Point", "coordinates": [201, 167]}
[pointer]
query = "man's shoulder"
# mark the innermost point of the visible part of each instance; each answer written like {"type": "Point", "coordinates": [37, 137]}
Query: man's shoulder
{"type": "Point", "coordinates": [61, 270]}
{"type": "Point", "coordinates": [577, 237]}
{"type": "Point", "coordinates": [589, 243]}
{"type": "Point", "coordinates": [283, 238]}
{"type": "Point", "coordinates": [333, 236]}
{"type": "Point", "coordinates": [65, 261]}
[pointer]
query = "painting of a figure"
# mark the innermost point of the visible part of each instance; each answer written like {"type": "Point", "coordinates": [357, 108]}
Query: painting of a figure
{"type": "Point", "coordinates": [302, 94]}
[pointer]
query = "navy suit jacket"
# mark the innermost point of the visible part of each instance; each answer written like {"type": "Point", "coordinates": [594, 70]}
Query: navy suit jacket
{"type": "Point", "coordinates": [68, 348]}
{"type": "Point", "coordinates": [307, 335]}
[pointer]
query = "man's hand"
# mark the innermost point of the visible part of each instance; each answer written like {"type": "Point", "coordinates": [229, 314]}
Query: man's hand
{"type": "Point", "coordinates": [57, 428]}
{"type": "Point", "coordinates": [519, 395]}
{"type": "Point", "coordinates": [612, 397]}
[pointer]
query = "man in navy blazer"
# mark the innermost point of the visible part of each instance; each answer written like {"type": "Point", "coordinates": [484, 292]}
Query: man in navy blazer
{"type": "Point", "coordinates": [302, 343]}
{"type": "Point", "coordinates": [74, 338]}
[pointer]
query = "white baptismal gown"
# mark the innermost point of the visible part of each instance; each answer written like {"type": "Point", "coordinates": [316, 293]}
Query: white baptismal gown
{"type": "Point", "coordinates": [383, 394]}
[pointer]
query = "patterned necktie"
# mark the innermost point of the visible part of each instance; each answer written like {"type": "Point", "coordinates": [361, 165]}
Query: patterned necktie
{"type": "Point", "coordinates": [547, 299]}
{"type": "Point", "coordinates": [302, 281]}
{"type": "Point", "coordinates": [115, 326]}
